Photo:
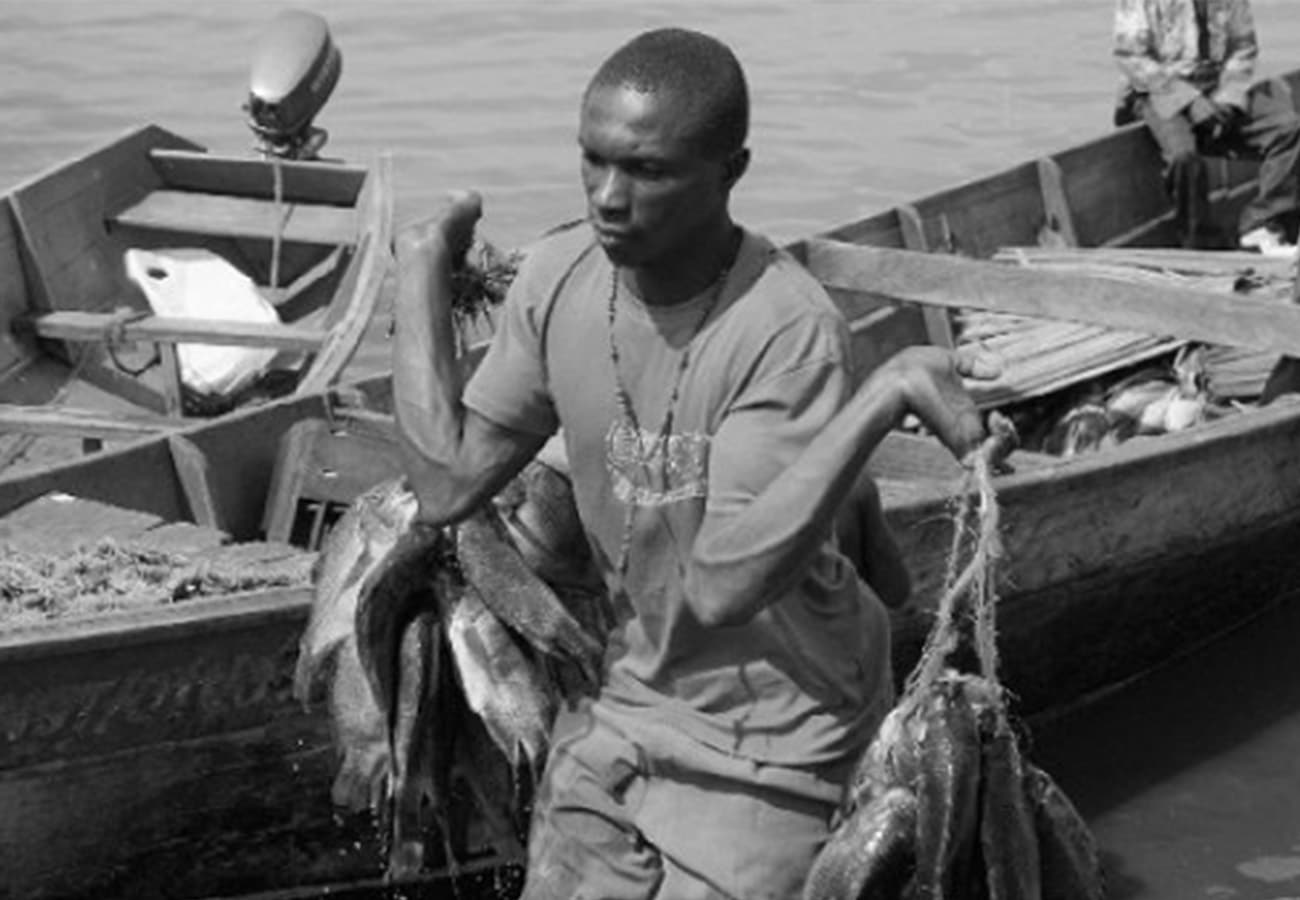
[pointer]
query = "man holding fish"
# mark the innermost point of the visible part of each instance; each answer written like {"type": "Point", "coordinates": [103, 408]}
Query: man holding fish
{"type": "Point", "coordinates": [703, 385]}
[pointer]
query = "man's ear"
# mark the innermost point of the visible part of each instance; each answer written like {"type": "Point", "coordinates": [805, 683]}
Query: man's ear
{"type": "Point", "coordinates": [735, 166]}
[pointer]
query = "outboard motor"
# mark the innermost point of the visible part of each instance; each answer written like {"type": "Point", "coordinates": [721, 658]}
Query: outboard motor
{"type": "Point", "coordinates": [293, 73]}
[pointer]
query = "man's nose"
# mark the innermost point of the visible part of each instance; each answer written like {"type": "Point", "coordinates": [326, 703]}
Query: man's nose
{"type": "Point", "coordinates": [611, 190]}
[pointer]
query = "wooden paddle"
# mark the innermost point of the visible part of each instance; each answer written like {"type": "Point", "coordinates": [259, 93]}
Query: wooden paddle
{"type": "Point", "coordinates": [953, 281]}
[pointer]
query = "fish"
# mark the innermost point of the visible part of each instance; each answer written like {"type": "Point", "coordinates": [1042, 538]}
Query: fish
{"type": "Point", "coordinates": [328, 649]}
{"type": "Point", "coordinates": [1070, 866]}
{"type": "Point", "coordinates": [499, 679]}
{"type": "Point", "coordinates": [947, 791]}
{"type": "Point", "coordinates": [419, 773]}
{"type": "Point", "coordinates": [394, 591]}
{"type": "Point", "coordinates": [542, 520]}
{"type": "Point", "coordinates": [359, 730]}
{"type": "Point", "coordinates": [520, 598]}
{"type": "Point", "coordinates": [502, 793]}
{"type": "Point", "coordinates": [889, 761]}
{"type": "Point", "coordinates": [353, 548]}
{"type": "Point", "coordinates": [449, 657]}
{"type": "Point", "coordinates": [1008, 836]}
{"type": "Point", "coordinates": [871, 854]}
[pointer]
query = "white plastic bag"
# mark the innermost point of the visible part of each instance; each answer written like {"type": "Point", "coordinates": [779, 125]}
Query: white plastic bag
{"type": "Point", "coordinates": [197, 284]}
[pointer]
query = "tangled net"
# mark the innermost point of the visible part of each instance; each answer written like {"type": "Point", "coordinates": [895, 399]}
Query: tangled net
{"type": "Point", "coordinates": [109, 575]}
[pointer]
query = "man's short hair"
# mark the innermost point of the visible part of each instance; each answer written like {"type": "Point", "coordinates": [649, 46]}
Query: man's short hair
{"type": "Point", "coordinates": [699, 69]}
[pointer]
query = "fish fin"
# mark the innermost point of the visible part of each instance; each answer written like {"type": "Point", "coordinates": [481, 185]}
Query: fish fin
{"type": "Point", "coordinates": [361, 782]}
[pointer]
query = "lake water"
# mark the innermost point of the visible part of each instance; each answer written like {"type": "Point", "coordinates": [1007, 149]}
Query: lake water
{"type": "Point", "coordinates": [1190, 782]}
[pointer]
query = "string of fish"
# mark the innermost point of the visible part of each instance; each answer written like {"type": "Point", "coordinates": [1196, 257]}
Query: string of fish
{"type": "Point", "coordinates": [942, 804]}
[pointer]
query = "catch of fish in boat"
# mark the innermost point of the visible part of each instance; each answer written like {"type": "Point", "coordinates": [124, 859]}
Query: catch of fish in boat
{"type": "Point", "coordinates": [1151, 401]}
{"type": "Point", "coordinates": [942, 804]}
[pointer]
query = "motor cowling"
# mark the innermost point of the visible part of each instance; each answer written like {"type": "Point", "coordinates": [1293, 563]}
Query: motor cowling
{"type": "Point", "coordinates": [294, 71]}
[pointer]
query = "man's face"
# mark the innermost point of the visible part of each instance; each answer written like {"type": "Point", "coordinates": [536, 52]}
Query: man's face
{"type": "Point", "coordinates": [650, 190]}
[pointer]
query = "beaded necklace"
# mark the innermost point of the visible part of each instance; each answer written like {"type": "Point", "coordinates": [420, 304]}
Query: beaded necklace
{"type": "Point", "coordinates": [630, 420]}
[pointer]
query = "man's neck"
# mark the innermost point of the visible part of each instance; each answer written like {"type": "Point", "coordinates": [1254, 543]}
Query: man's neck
{"type": "Point", "coordinates": [686, 275]}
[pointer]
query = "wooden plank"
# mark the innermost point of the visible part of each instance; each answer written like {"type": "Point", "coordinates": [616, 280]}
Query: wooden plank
{"type": "Point", "coordinates": [194, 472]}
{"type": "Point", "coordinates": [73, 325]}
{"type": "Point", "coordinates": [358, 293]}
{"type": "Point", "coordinates": [78, 422]}
{"type": "Point", "coordinates": [1059, 218]}
{"type": "Point", "coordinates": [322, 462]}
{"type": "Point", "coordinates": [1114, 188]}
{"type": "Point", "coordinates": [61, 214]}
{"type": "Point", "coordinates": [15, 300]}
{"type": "Point", "coordinates": [172, 385]}
{"type": "Point", "coordinates": [215, 214]}
{"type": "Point", "coordinates": [955, 282]}
{"type": "Point", "coordinates": [980, 216]}
{"type": "Point", "coordinates": [938, 325]}
{"type": "Point", "coordinates": [303, 182]}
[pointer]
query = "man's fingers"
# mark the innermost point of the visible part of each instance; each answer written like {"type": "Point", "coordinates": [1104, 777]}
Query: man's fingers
{"type": "Point", "coordinates": [464, 209]}
{"type": "Point", "coordinates": [452, 226]}
{"type": "Point", "coordinates": [978, 363]}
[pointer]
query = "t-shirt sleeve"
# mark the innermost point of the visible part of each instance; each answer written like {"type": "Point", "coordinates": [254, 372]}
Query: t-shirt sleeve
{"type": "Point", "coordinates": [772, 420]}
{"type": "Point", "coordinates": [510, 385]}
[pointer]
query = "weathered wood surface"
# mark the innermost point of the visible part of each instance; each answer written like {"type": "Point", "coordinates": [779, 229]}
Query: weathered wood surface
{"type": "Point", "coordinates": [957, 283]}
{"type": "Point", "coordinates": [358, 293]}
{"type": "Point", "coordinates": [195, 213]}
{"type": "Point", "coordinates": [75, 325]}
{"type": "Point", "coordinates": [330, 183]}
{"type": "Point", "coordinates": [62, 420]}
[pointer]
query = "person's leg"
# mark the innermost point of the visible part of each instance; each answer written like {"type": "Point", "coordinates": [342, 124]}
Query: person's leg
{"type": "Point", "coordinates": [1186, 175]}
{"type": "Point", "coordinates": [730, 827]}
{"type": "Point", "coordinates": [583, 844]}
{"type": "Point", "coordinates": [1270, 132]}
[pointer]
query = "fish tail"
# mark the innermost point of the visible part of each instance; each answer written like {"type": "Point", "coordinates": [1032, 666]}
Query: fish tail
{"type": "Point", "coordinates": [1069, 862]}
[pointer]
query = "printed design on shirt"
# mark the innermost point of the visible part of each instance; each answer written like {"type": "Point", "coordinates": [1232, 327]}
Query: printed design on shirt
{"type": "Point", "coordinates": [652, 470]}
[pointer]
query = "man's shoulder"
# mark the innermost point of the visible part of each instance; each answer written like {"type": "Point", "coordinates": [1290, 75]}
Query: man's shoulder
{"type": "Point", "coordinates": [788, 291]}
{"type": "Point", "coordinates": [557, 251]}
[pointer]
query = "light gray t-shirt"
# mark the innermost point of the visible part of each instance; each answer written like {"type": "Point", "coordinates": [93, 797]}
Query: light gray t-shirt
{"type": "Point", "coordinates": [805, 681]}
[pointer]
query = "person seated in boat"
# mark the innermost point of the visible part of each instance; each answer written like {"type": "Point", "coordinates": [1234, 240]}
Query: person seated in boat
{"type": "Point", "coordinates": [1187, 70]}
{"type": "Point", "coordinates": [703, 383]}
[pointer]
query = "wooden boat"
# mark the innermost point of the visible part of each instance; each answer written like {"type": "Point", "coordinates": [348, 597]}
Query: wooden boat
{"type": "Point", "coordinates": [84, 359]}
{"type": "Point", "coordinates": [175, 725]}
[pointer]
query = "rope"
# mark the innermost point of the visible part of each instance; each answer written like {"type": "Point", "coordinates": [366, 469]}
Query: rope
{"type": "Point", "coordinates": [970, 587]}
{"type": "Point", "coordinates": [115, 335]}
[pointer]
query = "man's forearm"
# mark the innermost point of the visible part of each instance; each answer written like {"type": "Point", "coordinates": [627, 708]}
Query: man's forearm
{"type": "Point", "coordinates": [427, 392]}
{"type": "Point", "coordinates": [747, 560]}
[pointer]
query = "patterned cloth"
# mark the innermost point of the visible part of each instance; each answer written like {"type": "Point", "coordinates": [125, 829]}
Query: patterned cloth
{"type": "Point", "coordinates": [1165, 54]}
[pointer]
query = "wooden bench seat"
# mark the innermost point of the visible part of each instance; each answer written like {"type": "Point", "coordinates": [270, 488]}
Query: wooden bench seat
{"type": "Point", "coordinates": [245, 176]}
{"type": "Point", "coordinates": [216, 214]}
{"type": "Point", "coordinates": [66, 421]}
{"type": "Point", "coordinates": [76, 325]}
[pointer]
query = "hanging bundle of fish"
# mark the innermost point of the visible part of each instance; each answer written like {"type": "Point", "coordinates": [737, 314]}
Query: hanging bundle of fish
{"type": "Point", "coordinates": [444, 655]}
{"type": "Point", "coordinates": [942, 804]}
